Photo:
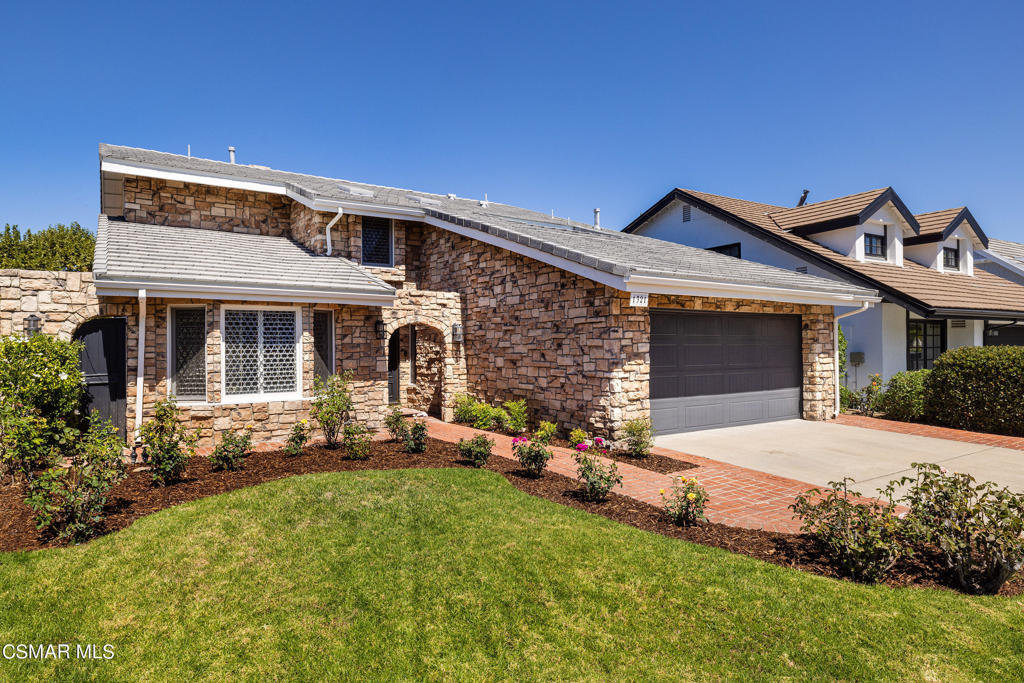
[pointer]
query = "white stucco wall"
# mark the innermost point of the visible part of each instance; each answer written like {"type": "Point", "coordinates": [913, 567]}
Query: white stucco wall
{"type": "Point", "coordinates": [971, 335]}
{"type": "Point", "coordinates": [881, 334]}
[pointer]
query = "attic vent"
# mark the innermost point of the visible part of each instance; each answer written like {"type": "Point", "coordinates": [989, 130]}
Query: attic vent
{"type": "Point", "coordinates": [425, 201]}
{"type": "Point", "coordinates": [958, 323]}
{"type": "Point", "coordinates": [686, 213]}
{"type": "Point", "coordinates": [358, 191]}
{"type": "Point", "coordinates": [801, 269]}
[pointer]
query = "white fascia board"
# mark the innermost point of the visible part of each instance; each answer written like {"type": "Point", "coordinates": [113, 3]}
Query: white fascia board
{"type": "Point", "coordinates": [1009, 264]}
{"type": "Point", "coordinates": [360, 208]}
{"type": "Point", "coordinates": [182, 290]}
{"type": "Point", "coordinates": [164, 173]}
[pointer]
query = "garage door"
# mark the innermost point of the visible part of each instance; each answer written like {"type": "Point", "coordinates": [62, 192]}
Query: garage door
{"type": "Point", "coordinates": [719, 369]}
{"type": "Point", "coordinates": [1005, 336]}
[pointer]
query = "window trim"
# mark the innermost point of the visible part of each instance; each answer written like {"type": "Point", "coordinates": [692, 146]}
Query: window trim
{"type": "Point", "coordinates": [225, 398]}
{"type": "Point", "coordinates": [738, 245]}
{"type": "Point", "coordinates": [883, 241]}
{"type": "Point", "coordinates": [391, 249]}
{"type": "Point", "coordinates": [332, 366]}
{"type": "Point", "coordinates": [944, 341]}
{"type": "Point", "coordinates": [955, 250]}
{"type": "Point", "coordinates": [170, 354]}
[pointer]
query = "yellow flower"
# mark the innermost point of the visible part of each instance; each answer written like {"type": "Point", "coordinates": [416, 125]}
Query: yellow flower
{"type": "Point", "coordinates": [662, 492]}
{"type": "Point", "coordinates": [691, 496]}
{"type": "Point", "coordinates": [305, 421]}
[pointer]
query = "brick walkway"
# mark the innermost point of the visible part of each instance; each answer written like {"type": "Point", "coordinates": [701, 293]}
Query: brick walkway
{"type": "Point", "coordinates": [1014, 442]}
{"type": "Point", "coordinates": [738, 496]}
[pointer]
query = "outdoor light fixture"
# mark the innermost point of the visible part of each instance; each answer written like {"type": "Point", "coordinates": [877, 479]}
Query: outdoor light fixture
{"type": "Point", "coordinates": [31, 326]}
{"type": "Point", "coordinates": [379, 327]}
{"type": "Point", "coordinates": [457, 333]}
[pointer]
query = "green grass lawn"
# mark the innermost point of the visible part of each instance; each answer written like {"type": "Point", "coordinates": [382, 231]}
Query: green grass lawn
{"type": "Point", "coordinates": [456, 574]}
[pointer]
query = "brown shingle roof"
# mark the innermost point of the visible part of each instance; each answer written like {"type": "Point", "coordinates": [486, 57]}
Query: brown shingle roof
{"type": "Point", "coordinates": [819, 212]}
{"type": "Point", "coordinates": [937, 221]}
{"type": "Point", "coordinates": [934, 290]}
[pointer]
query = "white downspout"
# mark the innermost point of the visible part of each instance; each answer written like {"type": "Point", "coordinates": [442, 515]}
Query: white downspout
{"type": "Point", "coordinates": [835, 336]}
{"type": "Point", "coordinates": [140, 366]}
{"type": "Point", "coordinates": [341, 212]}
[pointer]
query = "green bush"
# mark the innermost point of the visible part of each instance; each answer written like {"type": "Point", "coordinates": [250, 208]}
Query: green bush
{"type": "Point", "coordinates": [465, 409]}
{"type": "Point", "coordinates": [639, 437]}
{"type": "Point", "coordinates": [476, 450]}
{"type": "Point", "coordinates": [297, 438]}
{"type": "Point", "coordinates": [686, 501]}
{"type": "Point", "coordinates": [42, 374]}
{"type": "Point", "coordinates": [332, 404]}
{"type": "Point", "coordinates": [598, 480]}
{"type": "Point", "coordinates": [396, 425]}
{"type": "Point", "coordinates": [578, 436]}
{"type": "Point", "coordinates": [24, 441]}
{"type": "Point", "coordinates": [545, 432]}
{"type": "Point", "coordinates": [866, 538]}
{"type": "Point", "coordinates": [233, 449]}
{"type": "Point", "coordinates": [977, 527]}
{"type": "Point", "coordinates": [533, 457]}
{"type": "Point", "coordinates": [416, 442]}
{"type": "Point", "coordinates": [69, 501]}
{"type": "Point", "coordinates": [847, 398]}
{"type": "Point", "coordinates": [517, 416]}
{"type": "Point", "coordinates": [978, 388]}
{"type": "Point", "coordinates": [489, 417]}
{"type": "Point", "coordinates": [356, 441]}
{"type": "Point", "coordinates": [903, 398]}
{"type": "Point", "coordinates": [58, 247]}
{"type": "Point", "coordinates": [169, 444]}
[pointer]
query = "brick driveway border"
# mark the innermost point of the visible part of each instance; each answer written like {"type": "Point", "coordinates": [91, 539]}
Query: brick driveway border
{"type": "Point", "coordinates": [915, 429]}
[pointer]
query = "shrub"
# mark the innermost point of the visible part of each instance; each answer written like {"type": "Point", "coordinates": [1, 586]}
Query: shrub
{"type": "Point", "coordinates": [866, 399]}
{"type": "Point", "coordinates": [356, 441]}
{"type": "Point", "coordinates": [476, 450]}
{"type": "Point", "coordinates": [297, 438]}
{"type": "Point", "coordinates": [866, 538]}
{"type": "Point", "coordinates": [545, 432]}
{"type": "Point", "coordinates": [532, 456]}
{"type": "Point", "coordinates": [639, 437]}
{"type": "Point", "coordinates": [598, 480]}
{"type": "Point", "coordinates": [489, 417]}
{"type": "Point", "coordinates": [42, 374]}
{"type": "Point", "coordinates": [978, 388]}
{"type": "Point", "coordinates": [332, 403]}
{"type": "Point", "coordinates": [416, 442]}
{"type": "Point", "coordinates": [977, 527]}
{"type": "Point", "coordinates": [465, 408]}
{"type": "Point", "coordinates": [578, 436]}
{"type": "Point", "coordinates": [517, 415]}
{"type": "Point", "coordinates": [169, 444]}
{"type": "Point", "coordinates": [685, 503]}
{"type": "Point", "coordinates": [58, 247]}
{"type": "Point", "coordinates": [397, 427]}
{"type": "Point", "coordinates": [847, 398]}
{"type": "Point", "coordinates": [69, 501]}
{"type": "Point", "coordinates": [903, 398]}
{"type": "Point", "coordinates": [25, 443]}
{"type": "Point", "coordinates": [233, 449]}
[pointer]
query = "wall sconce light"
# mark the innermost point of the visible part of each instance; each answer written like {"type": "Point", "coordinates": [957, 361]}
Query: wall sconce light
{"type": "Point", "coordinates": [379, 328]}
{"type": "Point", "coordinates": [31, 326]}
{"type": "Point", "coordinates": [457, 335]}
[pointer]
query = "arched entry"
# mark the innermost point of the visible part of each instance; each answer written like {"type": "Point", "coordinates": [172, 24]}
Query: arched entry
{"type": "Point", "coordinates": [416, 368]}
{"type": "Point", "coordinates": [103, 360]}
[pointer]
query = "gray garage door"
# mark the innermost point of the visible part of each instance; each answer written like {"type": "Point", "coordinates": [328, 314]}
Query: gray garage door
{"type": "Point", "coordinates": [719, 369]}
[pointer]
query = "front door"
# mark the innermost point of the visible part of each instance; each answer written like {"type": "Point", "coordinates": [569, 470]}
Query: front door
{"type": "Point", "coordinates": [393, 364]}
{"type": "Point", "coordinates": [102, 359]}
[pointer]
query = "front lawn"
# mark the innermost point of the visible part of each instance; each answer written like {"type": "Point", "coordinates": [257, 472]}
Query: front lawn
{"type": "Point", "coordinates": [453, 573]}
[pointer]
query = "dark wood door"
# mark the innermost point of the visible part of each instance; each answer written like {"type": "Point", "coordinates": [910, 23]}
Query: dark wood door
{"type": "Point", "coordinates": [393, 361]}
{"type": "Point", "coordinates": [103, 360]}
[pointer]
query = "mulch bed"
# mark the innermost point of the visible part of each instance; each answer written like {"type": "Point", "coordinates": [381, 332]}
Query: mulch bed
{"type": "Point", "coordinates": [662, 464]}
{"type": "Point", "coordinates": [136, 497]}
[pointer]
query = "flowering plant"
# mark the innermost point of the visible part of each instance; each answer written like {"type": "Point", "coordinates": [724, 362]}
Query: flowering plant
{"type": "Point", "coordinates": [232, 450]}
{"type": "Point", "coordinates": [685, 504]}
{"type": "Point", "coordinates": [597, 479]}
{"type": "Point", "coordinates": [297, 438]}
{"type": "Point", "coordinates": [532, 456]}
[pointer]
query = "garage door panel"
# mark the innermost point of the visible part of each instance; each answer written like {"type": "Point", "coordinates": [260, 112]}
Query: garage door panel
{"type": "Point", "coordinates": [701, 385]}
{"type": "Point", "coordinates": [702, 355]}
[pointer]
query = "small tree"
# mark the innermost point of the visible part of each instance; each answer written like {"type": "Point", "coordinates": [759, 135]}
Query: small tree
{"type": "Point", "coordinates": [169, 444]}
{"type": "Point", "coordinates": [332, 404]}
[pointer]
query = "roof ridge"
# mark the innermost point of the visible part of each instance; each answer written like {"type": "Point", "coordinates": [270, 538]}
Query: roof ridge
{"type": "Point", "coordinates": [879, 190]}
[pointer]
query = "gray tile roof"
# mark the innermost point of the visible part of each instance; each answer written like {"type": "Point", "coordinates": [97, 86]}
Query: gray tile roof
{"type": "Point", "coordinates": [159, 253]}
{"type": "Point", "coordinates": [610, 251]}
{"type": "Point", "coordinates": [1008, 250]}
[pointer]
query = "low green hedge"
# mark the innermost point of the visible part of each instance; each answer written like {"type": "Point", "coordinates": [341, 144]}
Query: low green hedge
{"type": "Point", "coordinates": [978, 388]}
{"type": "Point", "coordinates": [904, 396]}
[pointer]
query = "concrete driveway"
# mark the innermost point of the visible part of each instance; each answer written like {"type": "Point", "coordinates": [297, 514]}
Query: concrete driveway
{"type": "Point", "coordinates": [820, 452]}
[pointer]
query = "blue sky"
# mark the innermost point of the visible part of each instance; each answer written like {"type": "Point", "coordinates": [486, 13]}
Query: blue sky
{"type": "Point", "coordinates": [543, 105]}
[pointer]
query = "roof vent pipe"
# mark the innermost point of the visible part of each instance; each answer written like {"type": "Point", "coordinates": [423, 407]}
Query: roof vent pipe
{"type": "Point", "coordinates": [597, 218]}
{"type": "Point", "coordinates": [803, 198]}
{"type": "Point", "coordinates": [231, 154]}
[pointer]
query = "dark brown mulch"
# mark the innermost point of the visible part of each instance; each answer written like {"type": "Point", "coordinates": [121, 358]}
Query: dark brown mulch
{"type": "Point", "coordinates": [662, 464]}
{"type": "Point", "coordinates": [136, 497]}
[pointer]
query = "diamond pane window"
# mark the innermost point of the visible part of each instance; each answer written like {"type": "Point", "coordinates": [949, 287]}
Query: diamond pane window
{"type": "Point", "coordinates": [376, 241]}
{"type": "Point", "coordinates": [259, 352]}
{"type": "Point", "coordinates": [188, 354]}
{"type": "Point", "coordinates": [323, 343]}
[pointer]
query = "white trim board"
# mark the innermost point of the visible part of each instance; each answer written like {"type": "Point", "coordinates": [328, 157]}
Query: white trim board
{"type": "Point", "coordinates": [184, 290]}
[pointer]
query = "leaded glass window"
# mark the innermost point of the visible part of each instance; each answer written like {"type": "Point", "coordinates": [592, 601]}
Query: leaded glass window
{"type": "Point", "coordinates": [259, 352]}
{"type": "Point", "coordinates": [323, 344]}
{"type": "Point", "coordinates": [376, 241]}
{"type": "Point", "coordinates": [188, 354]}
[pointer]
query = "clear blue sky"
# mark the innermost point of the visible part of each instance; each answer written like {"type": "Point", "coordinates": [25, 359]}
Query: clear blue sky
{"type": "Point", "coordinates": [543, 105]}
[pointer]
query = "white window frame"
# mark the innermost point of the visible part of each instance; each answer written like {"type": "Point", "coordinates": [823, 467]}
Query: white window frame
{"type": "Point", "coordinates": [267, 397]}
{"type": "Point", "coordinates": [170, 353]}
{"type": "Point", "coordinates": [391, 235]}
{"type": "Point", "coordinates": [332, 366]}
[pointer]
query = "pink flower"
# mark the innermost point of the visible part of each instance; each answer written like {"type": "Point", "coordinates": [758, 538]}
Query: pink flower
{"type": "Point", "coordinates": [582, 446]}
{"type": "Point", "coordinates": [599, 441]}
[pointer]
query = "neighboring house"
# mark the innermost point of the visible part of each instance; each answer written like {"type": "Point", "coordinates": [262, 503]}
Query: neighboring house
{"type": "Point", "coordinates": [1005, 259]}
{"type": "Point", "coordinates": [933, 296]}
{"type": "Point", "coordinates": [232, 287]}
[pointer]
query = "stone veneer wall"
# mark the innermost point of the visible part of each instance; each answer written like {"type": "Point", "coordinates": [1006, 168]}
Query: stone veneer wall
{"type": "Point", "coordinates": [188, 205]}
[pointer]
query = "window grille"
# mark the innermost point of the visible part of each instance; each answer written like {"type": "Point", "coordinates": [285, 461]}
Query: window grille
{"type": "Point", "coordinates": [376, 241]}
{"type": "Point", "coordinates": [874, 246]}
{"type": "Point", "coordinates": [259, 352]}
{"type": "Point", "coordinates": [323, 344]}
{"type": "Point", "coordinates": [951, 258]}
{"type": "Point", "coordinates": [188, 354]}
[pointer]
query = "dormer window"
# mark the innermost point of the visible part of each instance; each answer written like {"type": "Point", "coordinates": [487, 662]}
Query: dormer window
{"type": "Point", "coordinates": [951, 258]}
{"type": "Point", "coordinates": [874, 247]}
